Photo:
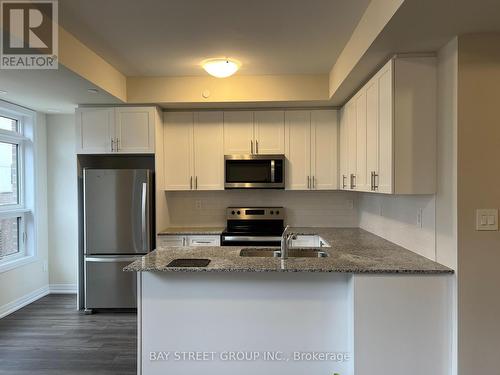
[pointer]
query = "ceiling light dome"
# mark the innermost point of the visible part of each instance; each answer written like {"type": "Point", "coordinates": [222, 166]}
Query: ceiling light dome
{"type": "Point", "coordinates": [221, 68]}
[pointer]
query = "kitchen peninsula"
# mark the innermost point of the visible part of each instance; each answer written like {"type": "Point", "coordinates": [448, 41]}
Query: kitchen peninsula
{"type": "Point", "coordinates": [369, 306]}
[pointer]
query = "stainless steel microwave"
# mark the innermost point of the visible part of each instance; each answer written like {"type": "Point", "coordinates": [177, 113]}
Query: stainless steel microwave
{"type": "Point", "coordinates": [254, 171]}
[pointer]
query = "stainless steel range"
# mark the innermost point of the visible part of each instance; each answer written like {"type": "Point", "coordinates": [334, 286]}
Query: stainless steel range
{"type": "Point", "coordinates": [254, 226]}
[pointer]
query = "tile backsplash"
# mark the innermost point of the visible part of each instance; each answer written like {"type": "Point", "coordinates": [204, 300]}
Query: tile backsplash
{"type": "Point", "coordinates": [303, 208]}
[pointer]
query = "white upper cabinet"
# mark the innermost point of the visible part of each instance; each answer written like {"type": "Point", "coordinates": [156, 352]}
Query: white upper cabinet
{"type": "Point", "coordinates": [360, 181]}
{"type": "Point", "coordinates": [125, 130]}
{"type": "Point", "coordinates": [94, 129]}
{"type": "Point", "coordinates": [311, 150]}
{"type": "Point", "coordinates": [395, 129]}
{"type": "Point", "coordinates": [259, 132]}
{"type": "Point", "coordinates": [298, 150]}
{"type": "Point", "coordinates": [208, 151]}
{"type": "Point", "coordinates": [238, 132]}
{"type": "Point", "coordinates": [193, 151]}
{"type": "Point", "coordinates": [324, 141]}
{"type": "Point", "coordinates": [269, 132]}
{"type": "Point", "coordinates": [343, 151]}
{"type": "Point", "coordinates": [134, 129]}
{"type": "Point", "coordinates": [178, 150]}
{"type": "Point", "coordinates": [351, 145]}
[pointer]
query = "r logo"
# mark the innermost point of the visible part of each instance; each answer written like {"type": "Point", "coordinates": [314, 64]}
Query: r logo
{"type": "Point", "coordinates": [27, 27]}
{"type": "Point", "coordinates": [29, 38]}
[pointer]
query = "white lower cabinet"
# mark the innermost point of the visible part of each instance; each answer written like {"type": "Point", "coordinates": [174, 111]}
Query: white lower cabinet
{"type": "Point", "coordinates": [204, 240]}
{"type": "Point", "coordinates": [311, 150]}
{"type": "Point", "coordinates": [173, 240]}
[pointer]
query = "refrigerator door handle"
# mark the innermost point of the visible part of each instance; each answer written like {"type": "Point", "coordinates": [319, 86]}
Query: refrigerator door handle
{"type": "Point", "coordinates": [144, 217]}
{"type": "Point", "coordinates": [111, 259]}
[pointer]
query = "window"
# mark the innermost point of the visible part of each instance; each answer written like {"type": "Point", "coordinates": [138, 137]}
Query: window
{"type": "Point", "coordinates": [15, 212]}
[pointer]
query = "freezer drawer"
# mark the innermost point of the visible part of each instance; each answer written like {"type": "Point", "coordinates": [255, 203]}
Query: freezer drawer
{"type": "Point", "coordinates": [107, 285]}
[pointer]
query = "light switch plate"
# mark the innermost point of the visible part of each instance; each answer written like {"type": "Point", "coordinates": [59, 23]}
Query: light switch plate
{"type": "Point", "coordinates": [487, 219]}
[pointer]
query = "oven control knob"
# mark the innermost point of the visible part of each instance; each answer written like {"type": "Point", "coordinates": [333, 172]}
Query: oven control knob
{"type": "Point", "coordinates": [238, 212]}
{"type": "Point", "coordinates": [232, 212]}
{"type": "Point", "coordinates": [272, 212]}
{"type": "Point", "coordinates": [277, 212]}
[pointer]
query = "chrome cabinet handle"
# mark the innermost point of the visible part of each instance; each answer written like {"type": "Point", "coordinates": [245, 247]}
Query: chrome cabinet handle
{"type": "Point", "coordinates": [112, 144]}
{"type": "Point", "coordinates": [353, 184]}
{"type": "Point", "coordinates": [375, 182]}
{"type": "Point", "coordinates": [196, 183]}
{"type": "Point", "coordinates": [191, 183]}
{"type": "Point", "coordinates": [308, 182]}
{"type": "Point", "coordinates": [314, 182]}
{"type": "Point", "coordinates": [256, 147]}
{"type": "Point", "coordinates": [371, 181]}
{"type": "Point", "coordinates": [251, 146]}
{"type": "Point", "coordinates": [343, 181]}
{"type": "Point", "coordinates": [117, 143]}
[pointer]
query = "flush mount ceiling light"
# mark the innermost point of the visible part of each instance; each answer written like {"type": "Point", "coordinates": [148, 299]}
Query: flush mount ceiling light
{"type": "Point", "coordinates": [221, 68]}
{"type": "Point", "coordinates": [93, 91]}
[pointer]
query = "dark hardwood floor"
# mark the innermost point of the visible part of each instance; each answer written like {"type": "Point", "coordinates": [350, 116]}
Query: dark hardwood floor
{"type": "Point", "coordinates": [49, 337]}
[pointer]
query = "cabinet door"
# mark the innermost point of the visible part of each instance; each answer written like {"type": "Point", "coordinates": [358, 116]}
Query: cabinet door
{"type": "Point", "coordinates": [343, 151]}
{"type": "Point", "coordinates": [324, 130]}
{"type": "Point", "coordinates": [178, 150]}
{"type": "Point", "coordinates": [269, 132]}
{"type": "Point", "coordinates": [298, 150]}
{"type": "Point", "coordinates": [361, 182]}
{"type": "Point", "coordinates": [208, 151]}
{"type": "Point", "coordinates": [238, 132]}
{"type": "Point", "coordinates": [385, 175]}
{"type": "Point", "coordinates": [372, 137]}
{"type": "Point", "coordinates": [94, 130]}
{"type": "Point", "coordinates": [134, 130]}
{"type": "Point", "coordinates": [172, 241]}
{"type": "Point", "coordinates": [351, 144]}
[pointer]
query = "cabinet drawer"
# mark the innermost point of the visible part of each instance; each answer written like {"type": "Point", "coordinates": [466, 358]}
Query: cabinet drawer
{"type": "Point", "coordinates": [171, 241]}
{"type": "Point", "coordinates": [204, 240]}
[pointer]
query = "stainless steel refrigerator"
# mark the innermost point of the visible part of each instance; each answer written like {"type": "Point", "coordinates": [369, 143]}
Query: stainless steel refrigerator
{"type": "Point", "coordinates": [117, 230]}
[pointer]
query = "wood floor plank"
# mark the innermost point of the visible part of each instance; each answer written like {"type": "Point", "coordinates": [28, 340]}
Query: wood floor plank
{"type": "Point", "coordinates": [50, 336]}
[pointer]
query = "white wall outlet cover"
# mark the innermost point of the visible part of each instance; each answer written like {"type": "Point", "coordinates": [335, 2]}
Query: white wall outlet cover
{"type": "Point", "coordinates": [487, 219]}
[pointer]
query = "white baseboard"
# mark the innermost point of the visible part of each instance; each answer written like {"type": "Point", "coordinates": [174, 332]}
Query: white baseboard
{"type": "Point", "coordinates": [15, 305]}
{"type": "Point", "coordinates": [62, 288]}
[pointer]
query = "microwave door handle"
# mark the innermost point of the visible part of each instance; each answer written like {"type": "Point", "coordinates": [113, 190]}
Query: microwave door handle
{"type": "Point", "coordinates": [273, 171]}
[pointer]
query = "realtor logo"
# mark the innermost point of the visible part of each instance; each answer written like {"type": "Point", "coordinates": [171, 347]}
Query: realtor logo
{"type": "Point", "coordinates": [29, 35]}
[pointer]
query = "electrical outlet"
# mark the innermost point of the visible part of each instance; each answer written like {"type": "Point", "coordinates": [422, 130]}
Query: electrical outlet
{"type": "Point", "coordinates": [419, 217]}
{"type": "Point", "coordinates": [198, 204]}
{"type": "Point", "coordinates": [45, 266]}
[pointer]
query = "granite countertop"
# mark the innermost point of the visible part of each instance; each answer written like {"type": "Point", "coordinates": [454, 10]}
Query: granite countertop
{"type": "Point", "coordinates": [192, 231]}
{"type": "Point", "coordinates": [352, 250]}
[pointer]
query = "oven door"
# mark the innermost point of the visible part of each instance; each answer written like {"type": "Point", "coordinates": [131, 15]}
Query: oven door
{"type": "Point", "coordinates": [254, 171]}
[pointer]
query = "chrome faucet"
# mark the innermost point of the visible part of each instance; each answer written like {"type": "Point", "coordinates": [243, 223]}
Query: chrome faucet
{"type": "Point", "coordinates": [286, 239]}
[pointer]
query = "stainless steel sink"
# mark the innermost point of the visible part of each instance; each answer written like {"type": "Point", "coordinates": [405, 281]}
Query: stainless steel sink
{"type": "Point", "coordinates": [269, 252]}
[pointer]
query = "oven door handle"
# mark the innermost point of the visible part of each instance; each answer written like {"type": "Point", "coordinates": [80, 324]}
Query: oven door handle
{"type": "Point", "coordinates": [250, 238]}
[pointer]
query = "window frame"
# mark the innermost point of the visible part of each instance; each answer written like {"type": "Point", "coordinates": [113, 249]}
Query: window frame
{"type": "Point", "coordinates": [27, 249]}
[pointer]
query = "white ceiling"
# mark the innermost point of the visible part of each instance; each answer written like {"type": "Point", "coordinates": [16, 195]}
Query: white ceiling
{"type": "Point", "coordinates": [171, 37]}
{"type": "Point", "coordinates": [44, 90]}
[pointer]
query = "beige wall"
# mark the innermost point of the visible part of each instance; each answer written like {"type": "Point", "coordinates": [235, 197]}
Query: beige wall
{"type": "Point", "coordinates": [62, 201]}
{"type": "Point", "coordinates": [478, 187]}
{"type": "Point", "coordinates": [20, 283]}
